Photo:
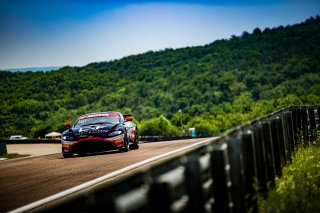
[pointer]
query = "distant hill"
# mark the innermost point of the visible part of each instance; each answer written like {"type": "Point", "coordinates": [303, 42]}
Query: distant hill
{"type": "Point", "coordinates": [216, 86]}
{"type": "Point", "coordinates": [33, 69]}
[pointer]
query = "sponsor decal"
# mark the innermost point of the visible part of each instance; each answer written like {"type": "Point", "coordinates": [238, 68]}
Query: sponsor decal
{"type": "Point", "coordinates": [119, 141]}
{"type": "Point", "coordinates": [66, 147]}
{"type": "Point", "coordinates": [90, 131]}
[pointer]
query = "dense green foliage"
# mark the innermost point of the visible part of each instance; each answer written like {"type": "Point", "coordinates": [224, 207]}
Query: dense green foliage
{"type": "Point", "coordinates": [298, 190]}
{"type": "Point", "coordinates": [217, 86]}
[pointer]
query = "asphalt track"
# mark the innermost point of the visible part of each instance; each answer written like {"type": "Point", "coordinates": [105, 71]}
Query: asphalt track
{"type": "Point", "coordinates": [25, 180]}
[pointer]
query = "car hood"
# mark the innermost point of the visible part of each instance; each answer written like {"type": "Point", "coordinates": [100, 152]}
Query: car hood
{"type": "Point", "coordinates": [96, 130]}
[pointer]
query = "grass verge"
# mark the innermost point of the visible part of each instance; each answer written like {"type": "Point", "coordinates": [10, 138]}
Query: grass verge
{"type": "Point", "coordinates": [12, 155]}
{"type": "Point", "coordinates": [298, 190]}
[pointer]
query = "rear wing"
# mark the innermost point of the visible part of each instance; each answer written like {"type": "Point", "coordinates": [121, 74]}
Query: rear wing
{"type": "Point", "coordinates": [128, 117]}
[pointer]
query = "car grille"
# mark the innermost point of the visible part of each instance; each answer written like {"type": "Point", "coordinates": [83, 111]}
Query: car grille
{"type": "Point", "coordinates": [92, 146]}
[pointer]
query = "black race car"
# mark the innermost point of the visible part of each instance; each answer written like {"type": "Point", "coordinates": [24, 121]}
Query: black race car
{"type": "Point", "coordinates": [99, 132]}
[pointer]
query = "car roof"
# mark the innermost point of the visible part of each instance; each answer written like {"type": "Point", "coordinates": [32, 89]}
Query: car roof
{"type": "Point", "coordinates": [100, 114]}
{"type": "Point", "coordinates": [107, 112]}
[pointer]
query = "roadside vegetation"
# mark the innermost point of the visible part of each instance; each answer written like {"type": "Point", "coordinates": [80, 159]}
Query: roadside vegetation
{"type": "Point", "coordinates": [298, 190]}
{"type": "Point", "coordinates": [216, 86]}
{"type": "Point", "coordinates": [12, 155]}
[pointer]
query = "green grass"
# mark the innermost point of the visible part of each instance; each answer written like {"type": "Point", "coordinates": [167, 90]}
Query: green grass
{"type": "Point", "coordinates": [298, 190]}
{"type": "Point", "coordinates": [12, 155]}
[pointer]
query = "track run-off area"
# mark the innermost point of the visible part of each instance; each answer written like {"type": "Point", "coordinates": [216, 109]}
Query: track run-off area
{"type": "Point", "coordinates": [29, 179]}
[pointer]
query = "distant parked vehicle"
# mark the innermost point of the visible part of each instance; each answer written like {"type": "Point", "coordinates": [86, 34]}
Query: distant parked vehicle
{"type": "Point", "coordinates": [53, 136]}
{"type": "Point", "coordinates": [18, 137]}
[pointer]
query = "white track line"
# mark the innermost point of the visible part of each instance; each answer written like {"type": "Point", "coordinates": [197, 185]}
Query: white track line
{"type": "Point", "coordinates": [87, 184]}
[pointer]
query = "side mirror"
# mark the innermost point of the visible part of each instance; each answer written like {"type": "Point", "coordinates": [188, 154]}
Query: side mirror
{"type": "Point", "coordinates": [67, 124]}
{"type": "Point", "coordinates": [129, 118]}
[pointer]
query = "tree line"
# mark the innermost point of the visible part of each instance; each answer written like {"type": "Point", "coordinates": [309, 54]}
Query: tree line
{"type": "Point", "coordinates": [216, 86]}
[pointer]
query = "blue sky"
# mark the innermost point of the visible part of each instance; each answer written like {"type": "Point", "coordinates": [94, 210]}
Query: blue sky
{"type": "Point", "coordinates": [39, 33]}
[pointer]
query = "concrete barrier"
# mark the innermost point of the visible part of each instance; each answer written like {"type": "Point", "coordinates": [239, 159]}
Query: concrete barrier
{"type": "Point", "coordinates": [3, 147]}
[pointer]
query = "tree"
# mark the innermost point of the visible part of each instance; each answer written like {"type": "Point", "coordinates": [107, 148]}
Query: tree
{"type": "Point", "coordinates": [160, 126]}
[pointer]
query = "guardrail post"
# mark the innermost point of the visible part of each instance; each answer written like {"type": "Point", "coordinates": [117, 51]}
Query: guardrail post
{"type": "Point", "coordinates": [282, 148]}
{"type": "Point", "coordinates": [267, 139]}
{"type": "Point", "coordinates": [194, 185]}
{"type": "Point", "coordinates": [304, 122]}
{"type": "Point", "coordinates": [277, 155]}
{"type": "Point", "coordinates": [250, 170]}
{"type": "Point", "coordinates": [294, 110]}
{"type": "Point", "coordinates": [317, 115]}
{"type": "Point", "coordinates": [220, 168]}
{"type": "Point", "coordinates": [3, 147]}
{"type": "Point", "coordinates": [261, 160]}
{"type": "Point", "coordinates": [291, 131]}
{"type": "Point", "coordinates": [286, 136]}
{"type": "Point", "coordinates": [299, 125]}
{"type": "Point", "coordinates": [160, 198]}
{"type": "Point", "coordinates": [312, 119]}
{"type": "Point", "coordinates": [236, 174]}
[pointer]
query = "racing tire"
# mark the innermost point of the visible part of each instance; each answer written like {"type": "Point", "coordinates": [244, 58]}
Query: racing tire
{"type": "Point", "coordinates": [67, 155]}
{"type": "Point", "coordinates": [135, 144]}
{"type": "Point", "coordinates": [125, 147]}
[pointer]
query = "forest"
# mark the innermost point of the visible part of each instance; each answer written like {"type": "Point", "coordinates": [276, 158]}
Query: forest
{"type": "Point", "coordinates": [216, 86]}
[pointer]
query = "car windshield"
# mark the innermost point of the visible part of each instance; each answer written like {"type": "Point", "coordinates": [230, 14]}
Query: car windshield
{"type": "Point", "coordinates": [97, 120]}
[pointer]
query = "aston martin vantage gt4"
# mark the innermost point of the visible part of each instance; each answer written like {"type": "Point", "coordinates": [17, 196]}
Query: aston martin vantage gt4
{"type": "Point", "coordinates": [99, 132]}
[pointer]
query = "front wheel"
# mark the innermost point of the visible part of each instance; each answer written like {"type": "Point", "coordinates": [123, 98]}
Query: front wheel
{"type": "Point", "coordinates": [135, 144]}
{"type": "Point", "coordinates": [67, 155]}
{"type": "Point", "coordinates": [125, 147]}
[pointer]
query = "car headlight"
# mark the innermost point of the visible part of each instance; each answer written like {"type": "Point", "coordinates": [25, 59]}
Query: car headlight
{"type": "Point", "coordinates": [114, 133]}
{"type": "Point", "coordinates": [67, 138]}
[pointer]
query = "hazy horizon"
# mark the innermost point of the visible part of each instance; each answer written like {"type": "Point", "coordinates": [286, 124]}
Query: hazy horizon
{"type": "Point", "coordinates": [76, 33]}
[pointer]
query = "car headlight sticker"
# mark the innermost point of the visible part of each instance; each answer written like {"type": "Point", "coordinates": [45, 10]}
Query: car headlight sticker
{"type": "Point", "coordinates": [67, 138]}
{"type": "Point", "coordinates": [114, 133]}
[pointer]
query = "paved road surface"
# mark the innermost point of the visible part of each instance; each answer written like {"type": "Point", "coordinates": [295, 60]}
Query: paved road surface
{"type": "Point", "coordinates": [26, 180]}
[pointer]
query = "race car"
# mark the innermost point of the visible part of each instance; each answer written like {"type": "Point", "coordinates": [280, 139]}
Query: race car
{"type": "Point", "coordinates": [99, 132]}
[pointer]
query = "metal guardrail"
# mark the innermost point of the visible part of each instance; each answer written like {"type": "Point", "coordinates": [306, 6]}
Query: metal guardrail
{"type": "Point", "coordinates": [222, 175]}
{"type": "Point", "coordinates": [3, 148]}
{"type": "Point", "coordinates": [30, 141]}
